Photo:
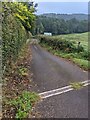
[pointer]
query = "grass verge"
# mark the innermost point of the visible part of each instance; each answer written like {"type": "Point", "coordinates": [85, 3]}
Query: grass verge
{"type": "Point", "coordinates": [75, 57]}
{"type": "Point", "coordinates": [24, 103]}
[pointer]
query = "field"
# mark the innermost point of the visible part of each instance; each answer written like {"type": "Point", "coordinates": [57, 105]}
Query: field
{"type": "Point", "coordinates": [66, 46]}
{"type": "Point", "coordinates": [75, 38]}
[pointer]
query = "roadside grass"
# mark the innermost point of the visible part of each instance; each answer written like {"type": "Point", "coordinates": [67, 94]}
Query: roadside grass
{"type": "Point", "coordinates": [83, 63]}
{"type": "Point", "coordinates": [77, 85]}
{"type": "Point", "coordinates": [75, 57]}
{"type": "Point", "coordinates": [75, 38]}
{"type": "Point", "coordinates": [23, 71]}
{"type": "Point", "coordinates": [24, 103]}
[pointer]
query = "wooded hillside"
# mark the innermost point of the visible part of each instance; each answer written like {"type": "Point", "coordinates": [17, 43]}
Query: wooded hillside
{"type": "Point", "coordinates": [67, 16]}
{"type": "Point", "coordinates": [58, 26]}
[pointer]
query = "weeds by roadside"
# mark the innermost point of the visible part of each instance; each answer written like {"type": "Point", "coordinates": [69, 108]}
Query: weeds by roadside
{"type": "Point", "coordinates": [17, 98]}
{"type": "Point", "coordinates": [77, 85]}
{"type": "Point", "coordinates": [24, 103]}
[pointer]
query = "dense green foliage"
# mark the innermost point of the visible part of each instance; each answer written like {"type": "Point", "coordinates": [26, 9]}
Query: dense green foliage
{"type": "Point", "coordinates": [58, 26]}
{"type": "Point", "coordinates": [18, 20]}
{"type": "Point", "coordinates": [71, 46]}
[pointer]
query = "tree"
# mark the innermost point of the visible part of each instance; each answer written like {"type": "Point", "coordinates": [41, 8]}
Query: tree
{"type": "Point", "coordinates": [59, 26]}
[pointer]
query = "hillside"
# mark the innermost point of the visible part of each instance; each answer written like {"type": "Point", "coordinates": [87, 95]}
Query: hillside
{"type": "Point", "coordinates": [61, 23]}
{"type": "Point", "coordinates": [67, 16]}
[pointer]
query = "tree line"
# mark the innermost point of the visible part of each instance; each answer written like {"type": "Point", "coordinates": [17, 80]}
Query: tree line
{"type": "Point", "coordinates": [78, 16]}
{"type": "Point", "coordinates": [60, 26]}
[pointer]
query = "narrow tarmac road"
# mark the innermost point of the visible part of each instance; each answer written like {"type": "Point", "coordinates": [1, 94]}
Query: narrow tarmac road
{"type": "Point", "coordinates": [51, 72]}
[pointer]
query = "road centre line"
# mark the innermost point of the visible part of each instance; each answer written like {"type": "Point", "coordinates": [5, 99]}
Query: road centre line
{"type": "Point", "coordinates": [61, 90]}
{"type": "Point", "coordinates": [57, 93]}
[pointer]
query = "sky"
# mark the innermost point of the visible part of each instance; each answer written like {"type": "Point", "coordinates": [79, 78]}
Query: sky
{"type": "Point", "coordinates": [61, 0]}
{"type": "Point", "coordinates": [62, 7]}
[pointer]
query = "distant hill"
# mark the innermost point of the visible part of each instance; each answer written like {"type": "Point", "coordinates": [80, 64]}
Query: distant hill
{"type": "Point", "coordinates": [66, 16]}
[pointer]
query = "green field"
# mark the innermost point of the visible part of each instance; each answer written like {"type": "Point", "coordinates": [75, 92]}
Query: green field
{"type": "Point", "coordinates": [75, 38]}
{"type": "Point", "coordinates": [59, 44]}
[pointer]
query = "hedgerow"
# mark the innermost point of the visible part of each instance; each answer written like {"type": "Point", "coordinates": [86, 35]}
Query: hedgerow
{"type": "Point", "coordinates": [17, 21]}
{"type": "Point", "coordinates": [60, 44]}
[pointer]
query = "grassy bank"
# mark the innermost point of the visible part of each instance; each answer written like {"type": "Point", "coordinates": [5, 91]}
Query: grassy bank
{"type": "Point", "coordinates": [66, 46]}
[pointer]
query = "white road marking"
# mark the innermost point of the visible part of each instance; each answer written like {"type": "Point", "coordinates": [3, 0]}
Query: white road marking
{"type": "Point", "coordinates": [56, 90]}
{"type": "Point", "coordinates": [57, 93]}
{"type": "Point", "coordinates": [86, 84]}
{"type": "Point", "coordinates": [61, 90]}
{"type": "Point", "coordinates": [86, 81]}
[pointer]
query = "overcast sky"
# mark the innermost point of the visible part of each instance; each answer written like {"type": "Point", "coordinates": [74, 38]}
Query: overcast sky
{"type": "Point", "coordinates": [62, 7]}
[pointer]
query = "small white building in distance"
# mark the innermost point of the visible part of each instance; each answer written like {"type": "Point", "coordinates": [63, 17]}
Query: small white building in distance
{"type": "Point", "coordinates": [47, 33]}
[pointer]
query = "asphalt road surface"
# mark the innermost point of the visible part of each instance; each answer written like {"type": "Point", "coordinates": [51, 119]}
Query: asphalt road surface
{"type": "Point", "coordinates": [51, 72]}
